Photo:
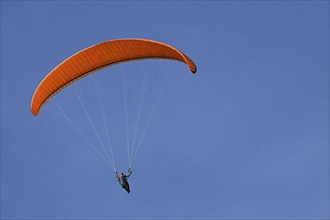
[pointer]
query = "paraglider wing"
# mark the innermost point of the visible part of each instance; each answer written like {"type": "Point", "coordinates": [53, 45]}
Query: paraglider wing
{"type": "Point", "coordinates": [98, 56]}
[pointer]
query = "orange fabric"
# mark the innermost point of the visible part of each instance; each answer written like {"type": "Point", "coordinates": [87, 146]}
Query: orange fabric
{"type": "Point", "coordinates": [98, 56]}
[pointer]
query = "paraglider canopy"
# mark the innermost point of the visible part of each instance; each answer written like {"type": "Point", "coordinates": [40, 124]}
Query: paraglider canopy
{"type": "Point", "coordinates": [99, 56]}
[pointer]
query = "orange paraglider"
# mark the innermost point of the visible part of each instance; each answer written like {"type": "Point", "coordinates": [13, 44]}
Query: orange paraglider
{"type": "Point", "coordinates": [99, 56]}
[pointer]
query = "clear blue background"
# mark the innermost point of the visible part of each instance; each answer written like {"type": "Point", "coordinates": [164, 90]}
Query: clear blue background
{"type": "Point", "coordinates": [246, 137]}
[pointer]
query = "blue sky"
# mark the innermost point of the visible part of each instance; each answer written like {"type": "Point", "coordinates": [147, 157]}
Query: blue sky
{"type": "Point", "coordinates": [246, 137]}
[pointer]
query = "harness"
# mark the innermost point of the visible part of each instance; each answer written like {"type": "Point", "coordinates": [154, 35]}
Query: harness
{"type": "Point", "coordinates": [123, 181]}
